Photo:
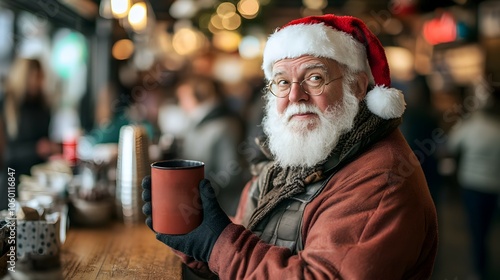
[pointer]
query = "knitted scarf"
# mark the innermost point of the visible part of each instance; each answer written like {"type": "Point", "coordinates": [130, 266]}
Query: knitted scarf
{"type": "Point", "coordinates": [277, 183]}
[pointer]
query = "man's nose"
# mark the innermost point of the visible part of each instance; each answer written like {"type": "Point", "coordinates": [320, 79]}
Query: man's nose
{"type": "Point", "coordinates": [297, 93]}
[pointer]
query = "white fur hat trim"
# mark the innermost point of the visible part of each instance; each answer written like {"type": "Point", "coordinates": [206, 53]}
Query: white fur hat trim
{"type": "Point", "coordinates": [317, 40]}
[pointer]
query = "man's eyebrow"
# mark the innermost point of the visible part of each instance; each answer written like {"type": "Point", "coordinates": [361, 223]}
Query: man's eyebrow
{"type": "Point", "coordinates": [305, 67]}
{"type": "Point", "coordinates": [278, 73]}
{"type": "Point", "coordinates": [314, 66]}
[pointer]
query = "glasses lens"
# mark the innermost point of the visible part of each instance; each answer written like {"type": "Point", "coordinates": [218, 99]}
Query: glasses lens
{"type": "Point", "coordinates": [280, 90]}
{"type": "Point", "coordinates": [313, 86]}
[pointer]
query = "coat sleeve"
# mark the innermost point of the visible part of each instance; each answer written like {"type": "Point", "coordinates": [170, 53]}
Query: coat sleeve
{"type": "Point", "coordinates": [373, 226]}
{"type": "Point", "coordinates": [200, 268]}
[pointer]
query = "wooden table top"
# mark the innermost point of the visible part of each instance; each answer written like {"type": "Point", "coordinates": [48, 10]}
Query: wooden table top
{"type": "Point", "coordinates": [116, 251]}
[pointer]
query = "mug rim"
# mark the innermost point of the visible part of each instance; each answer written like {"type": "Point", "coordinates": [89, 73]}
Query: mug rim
{"type": "Point", "coordinates": [173, 164]}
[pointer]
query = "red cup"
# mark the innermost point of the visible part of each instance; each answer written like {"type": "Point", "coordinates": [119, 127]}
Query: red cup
{"type": "Point", "coordinates": [175, 196]}
{"type": "Point", "coordinates": [69, 148]}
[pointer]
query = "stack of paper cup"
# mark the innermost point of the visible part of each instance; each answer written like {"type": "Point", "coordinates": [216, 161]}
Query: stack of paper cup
{"type": "Point", "coordinates": [132, 167]}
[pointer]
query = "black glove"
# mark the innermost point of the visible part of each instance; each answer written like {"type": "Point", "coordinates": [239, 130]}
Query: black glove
{"type": "Point", "coordinates": [199, 242]}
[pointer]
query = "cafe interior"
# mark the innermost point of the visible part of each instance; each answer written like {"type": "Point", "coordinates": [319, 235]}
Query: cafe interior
{"type": "Point", "coordinates": [108, 71]}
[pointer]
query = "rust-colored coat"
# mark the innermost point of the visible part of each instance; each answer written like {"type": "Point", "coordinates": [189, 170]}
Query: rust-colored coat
{"type": "Point", "coordinates": [374, 220]}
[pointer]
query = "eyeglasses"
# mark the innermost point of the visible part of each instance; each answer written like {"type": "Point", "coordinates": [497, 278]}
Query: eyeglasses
{"type": "Point", "coordinates": [313, 85]}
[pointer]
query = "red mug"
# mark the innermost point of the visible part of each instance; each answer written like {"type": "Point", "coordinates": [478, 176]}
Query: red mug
{"type": "Point", "coordinates": [175, 196]}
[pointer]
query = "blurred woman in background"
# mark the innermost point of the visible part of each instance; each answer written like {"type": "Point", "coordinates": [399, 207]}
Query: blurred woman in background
{"type": "Point", "coordinates": [475, 143]}
{"type": "Point", "coordinates": [24, 121]}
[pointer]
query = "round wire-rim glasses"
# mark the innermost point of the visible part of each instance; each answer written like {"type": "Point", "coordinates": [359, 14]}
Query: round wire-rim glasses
{"type": "Point", "coordinates": [311, 86]}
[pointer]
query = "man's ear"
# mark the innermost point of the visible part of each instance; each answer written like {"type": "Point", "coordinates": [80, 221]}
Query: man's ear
{"type": "Point", "coordinates": [360, 85]}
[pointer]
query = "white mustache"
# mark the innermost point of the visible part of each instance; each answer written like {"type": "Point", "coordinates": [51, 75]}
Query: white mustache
{"type": "Point", "coordinates": [295, 109]}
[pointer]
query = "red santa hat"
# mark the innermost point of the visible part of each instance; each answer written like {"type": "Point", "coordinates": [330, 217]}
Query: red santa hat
{"type": "Point", "coordinates": [347, 40]}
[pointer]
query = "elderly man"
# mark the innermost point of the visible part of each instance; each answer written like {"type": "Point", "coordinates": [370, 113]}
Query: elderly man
{"type": "Point", "coordinates": [342, 195]}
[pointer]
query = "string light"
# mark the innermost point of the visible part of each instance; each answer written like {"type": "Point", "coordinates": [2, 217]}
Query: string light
{"type": "Point", "coordinates": [120, 8]}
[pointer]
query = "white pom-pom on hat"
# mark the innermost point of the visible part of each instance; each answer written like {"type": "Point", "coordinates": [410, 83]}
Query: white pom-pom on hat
{"type": "Point", "coordinates": [387, 103]}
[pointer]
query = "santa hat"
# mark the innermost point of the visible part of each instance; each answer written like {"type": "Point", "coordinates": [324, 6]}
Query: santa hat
{"type": "Point", "coordinates": [347, 40]}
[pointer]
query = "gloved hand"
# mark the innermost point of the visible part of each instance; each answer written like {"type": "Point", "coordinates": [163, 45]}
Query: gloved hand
{"type": "Point", "coordinates": [199, 242]}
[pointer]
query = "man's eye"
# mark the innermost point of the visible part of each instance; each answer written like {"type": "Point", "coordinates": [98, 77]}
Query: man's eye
{"type": "Point", "coordinates": [314, 81]}
{"type": "Point", "coordinates": [315, 78]}
{"type": "Point", "coordinates": [282, 82]}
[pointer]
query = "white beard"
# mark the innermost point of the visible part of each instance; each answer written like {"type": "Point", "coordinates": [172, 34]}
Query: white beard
{"type": "Point", "coordinates": [307, 143]}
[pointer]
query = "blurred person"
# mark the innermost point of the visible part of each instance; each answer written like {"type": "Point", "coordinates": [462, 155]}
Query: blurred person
{"type": "Point", "coordinates": [213, 136]}
{"type": "Point", "coordinates": [104, 107]}
{"type": "Point", "coordinates": [173, 123]}
{"type": "Point", "coordinates": [25, 119]}
{"type": "Point", "coordinates": [475, 142]}
{"type": "Point", "coordinates": [420, 126]}
{"type": "Point", "coordinates": [254, 114]}
{"type": "Point", "coordinates": [116, 107]}
{"type": "Point", "coordinates": [2, 136]}
{"type": "Point", "coordinates": [341, 196]}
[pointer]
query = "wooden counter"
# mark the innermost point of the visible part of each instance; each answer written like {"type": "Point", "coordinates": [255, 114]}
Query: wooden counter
{"type": "Point", "coordinates": [117, 252]}
{"type": "Point", "coordinates": [112, 252]}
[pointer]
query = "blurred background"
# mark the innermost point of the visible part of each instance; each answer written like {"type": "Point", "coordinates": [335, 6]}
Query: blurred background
{"type": "Point", "coordinates": [105, 64]}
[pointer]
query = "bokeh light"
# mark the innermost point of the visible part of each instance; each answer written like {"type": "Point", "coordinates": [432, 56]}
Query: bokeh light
{"type": "Point", "coordinates": [227, 41]}
{"type": "Point", "coordinates": [138, 16]}
{"type": "Point", "coordinates": [120, 8]}
{"type": "Point", "coordinates": [248, 8]}
{"type": "Point", "coordinates": [122, 49]}
{"type": "Point", "coordinates": [250, 47]}
{"type": "Point", "coordinates": [187, 41]}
